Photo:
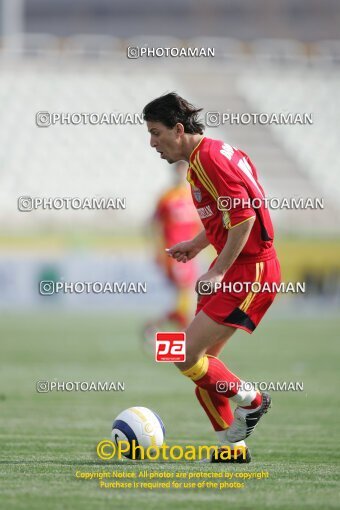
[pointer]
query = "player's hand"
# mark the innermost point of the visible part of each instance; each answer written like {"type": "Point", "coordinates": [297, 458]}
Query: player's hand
{"type": "Point", "coordinates": [206, 284]}
{"type": "Point", "coordinates": [183, 251]}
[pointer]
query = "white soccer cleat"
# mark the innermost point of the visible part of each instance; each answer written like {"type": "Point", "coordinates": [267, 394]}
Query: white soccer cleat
{"type": "Point", "coordinates": [245, 420]}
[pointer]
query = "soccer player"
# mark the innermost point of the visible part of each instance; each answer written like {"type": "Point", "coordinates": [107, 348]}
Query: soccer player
{"type": "Point", "coordinates": [174, 220]}
{"type": "Point", "coordinates": [242, 235]}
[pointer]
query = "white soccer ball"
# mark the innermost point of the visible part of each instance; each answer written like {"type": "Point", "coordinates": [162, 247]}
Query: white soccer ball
{"type": "Point", "coordinates": [141, 425]}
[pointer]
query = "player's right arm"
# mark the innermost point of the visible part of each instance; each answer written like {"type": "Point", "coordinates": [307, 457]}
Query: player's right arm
{"type": "Point", "coordinates": [187, 250]}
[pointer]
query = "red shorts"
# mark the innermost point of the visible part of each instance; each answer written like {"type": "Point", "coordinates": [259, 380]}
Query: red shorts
{"type": "Point", "coordinates": [237, 305]}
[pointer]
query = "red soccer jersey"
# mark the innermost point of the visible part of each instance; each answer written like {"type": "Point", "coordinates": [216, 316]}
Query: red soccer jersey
{"type": "Point", "coordinates": [177, 215]}
{"type": "Point", "coordinates": [220, 170]}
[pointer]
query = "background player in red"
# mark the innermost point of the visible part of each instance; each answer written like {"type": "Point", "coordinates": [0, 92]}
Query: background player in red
{"type": "Point", "coordinates": [174, 220]}
{"type": "Point", "coordinates": [243, 238]}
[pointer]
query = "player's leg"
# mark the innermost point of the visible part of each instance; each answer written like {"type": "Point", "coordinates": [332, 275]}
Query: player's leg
{"type": "Point", "coordinates": [222, 405]}
{"type": "Point", "coordinates": [251, 311]}
{"type": "Point", "coordinates": [212, 402]}
{"type": "Point", "coordinates": [216, 349]}
{"type": "Point", "coordinates": [205, 370]}
{"type": "Point", "coordinates": [218, 409]}
{"type": "Point", "coordinates": [215, 404]}
{"type": "Point", "coordinates": [215, 383]}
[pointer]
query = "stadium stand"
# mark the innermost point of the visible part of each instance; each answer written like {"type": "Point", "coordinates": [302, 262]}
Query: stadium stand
{"type": "Point", "coordinates": [53, 161]}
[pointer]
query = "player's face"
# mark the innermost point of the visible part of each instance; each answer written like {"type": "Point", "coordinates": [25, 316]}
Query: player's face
{"type": "Point", "coordinates": [166, 141]}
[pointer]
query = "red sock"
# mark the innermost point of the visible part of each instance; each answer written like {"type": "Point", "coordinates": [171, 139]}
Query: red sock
{"type": "Point", "coordinates": [211, 374]}
{"type": "Point", "coordinates": [216, 407]}
{"type": "Point", "coordinates": [256, 402]}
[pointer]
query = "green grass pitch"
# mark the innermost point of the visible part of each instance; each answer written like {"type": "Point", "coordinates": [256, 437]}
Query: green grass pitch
{"type": "Point", "coordinates": [46, 438]}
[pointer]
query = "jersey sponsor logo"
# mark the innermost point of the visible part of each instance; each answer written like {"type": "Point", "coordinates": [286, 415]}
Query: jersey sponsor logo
{"type": "Point", "coordinates": [170, 347]}
{"type": "Point", "coordinates": [205, 212]}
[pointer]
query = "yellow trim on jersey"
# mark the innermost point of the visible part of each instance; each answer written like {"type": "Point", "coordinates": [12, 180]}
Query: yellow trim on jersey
{"type": "Point", "coordinates": [226, 220]}
{"type": "Point", "coordinates": [213, 411]}
{"type": "Point", "coordinates": [202, 180]}
{"type": "Point", "coordinates": [237, 224]}
{"type": "Point", "coordinates": [189, 178]}
{"type": "Point", "coordinates": [199, 143]}
{"type": "Point", "coordinates": [198, 370]}
{"type": "Point", "coordinates": [251, 295]}
{"type": "Point", "coordinates": [203, 177]}
{"type": "Point", "coordinates": [208, 184]}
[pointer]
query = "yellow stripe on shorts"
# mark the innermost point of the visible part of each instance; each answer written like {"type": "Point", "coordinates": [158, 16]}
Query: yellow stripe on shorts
{"type": "Point", "coordinates": [251, 295]}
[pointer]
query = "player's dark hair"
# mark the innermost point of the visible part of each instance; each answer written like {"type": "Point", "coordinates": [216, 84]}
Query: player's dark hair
{"type": "Point", "coordinates": [171, 109]}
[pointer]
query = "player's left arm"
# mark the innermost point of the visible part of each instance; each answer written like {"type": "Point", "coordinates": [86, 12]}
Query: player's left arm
{"type": "Point", "coordinates": [237, 238]}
